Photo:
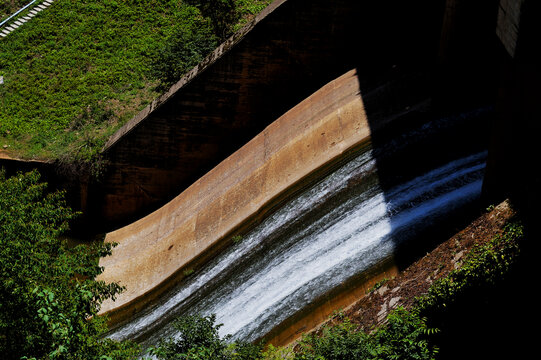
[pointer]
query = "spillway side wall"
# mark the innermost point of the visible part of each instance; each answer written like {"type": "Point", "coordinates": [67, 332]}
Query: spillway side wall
{"type": "Point", "coordinates": [318, 130]}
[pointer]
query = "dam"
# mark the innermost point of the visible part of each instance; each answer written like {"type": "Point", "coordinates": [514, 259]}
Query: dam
{"type": "Point", "coordinates": [332, 234]}
{"type": "Point", "coordinates": [311, 172]}
{"type": "Point", "coordinates": [319, 203]}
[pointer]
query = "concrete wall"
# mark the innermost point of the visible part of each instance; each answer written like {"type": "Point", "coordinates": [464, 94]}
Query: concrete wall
{"type": "Point", "coordinates": [507, 28]}
{"type": "Point", "coordinates": [289, 51]}
{"type": "Point", "coordinates": [467, 73]}
{"type": "Point", "coordinates": [159, 246]}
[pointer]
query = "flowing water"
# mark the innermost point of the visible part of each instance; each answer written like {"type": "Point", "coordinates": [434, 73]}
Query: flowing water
{"type": "Point", "coordinates": [337, 228]}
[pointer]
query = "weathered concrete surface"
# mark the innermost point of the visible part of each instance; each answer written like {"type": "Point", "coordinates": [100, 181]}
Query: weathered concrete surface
{"type": "Point", "coordinates": [508, 24]}
{"type": "Point", "coordinates": [12, 165]}
{"type": "Point", "coordinates": [293, 48]}
{"type": "Point", "coordinates": [312, 134]}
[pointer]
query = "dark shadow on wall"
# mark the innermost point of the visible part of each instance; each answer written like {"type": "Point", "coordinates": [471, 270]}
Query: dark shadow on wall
{"type": "Point", "coordinates": [493, 99]}
{"type": "Point", "coordinates": [430, 70]}
{"type": "Point", "coordinates": [500, 321]}
{"type": "Point", "coordinates": [465, 74]}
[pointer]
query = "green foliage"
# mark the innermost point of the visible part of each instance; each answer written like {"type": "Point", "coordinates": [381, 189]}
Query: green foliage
{"type": "Point", "coordinates": [339, 341]}
{"type": "Point", "coordinates": [278, 353]}
{"type": "Point", "coordinates": [81, 69]}
{"type": "Point", "coordinates": [188, 272]}
{"type": "Point", "coordinates": [199, 339]}
{"type": "Point", "coordinates": [484, 266]}
{"type": "Point", "coordinates": [201, 26]}
{"type": "Point", "coordinates": [223, 14]}
{"type": "Point", "coordinates": [189, 42]}
{"type": "Point", "coordinates": [74, 56]}
{"type": "Point", "coordinates": [404, 336]}
{"type": "Point", "coordinates": [377, 285]}
{"type": "Point", "coordinates": [49, 297]}
{"type": "Point", "coordinates": [8, 7]}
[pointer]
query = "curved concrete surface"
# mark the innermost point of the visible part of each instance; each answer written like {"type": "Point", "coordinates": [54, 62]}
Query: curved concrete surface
{"type": "Point", "coordinates": [154, 250]}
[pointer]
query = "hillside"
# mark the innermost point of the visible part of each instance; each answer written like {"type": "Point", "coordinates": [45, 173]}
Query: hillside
{"type": "Point", "coordinates": [7, 7]}
{"type": "Point", "coordinates": [79, 70]}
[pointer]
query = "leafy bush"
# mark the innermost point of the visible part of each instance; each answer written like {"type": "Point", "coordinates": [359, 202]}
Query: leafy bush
{"type": "Point", "coordinates": [201, 26]}
{"type": "Point", "coordinates": [199, 339]}
{"type": "Point", "coordinates": [485, 265]}
{"type": "Point", "coordinates": [223, 14]}
{"type": "Point", "coordinates": [404, 336]}
{"type": "Point", "coordinates": [190, 41]}
{"type": "Point", "coordinates": [49, 297]}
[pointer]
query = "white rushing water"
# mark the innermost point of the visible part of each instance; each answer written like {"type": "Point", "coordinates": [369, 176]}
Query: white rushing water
{"type": "Point", "coordinates": [338, 228]}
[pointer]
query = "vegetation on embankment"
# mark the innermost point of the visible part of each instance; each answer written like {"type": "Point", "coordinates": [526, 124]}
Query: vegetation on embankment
{"type": "Point", "coordinates": [8, 7]}
{"type": "Point", "coordinates": [80, 69]}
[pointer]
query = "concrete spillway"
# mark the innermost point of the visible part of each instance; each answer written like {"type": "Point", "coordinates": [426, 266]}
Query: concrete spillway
{"type": "Point", "coordinates": [338, 229]}
{"type": "Point", "coordinates": [155, 253]}
{"type": "Point", "coordinates": [328, 129]}
{"type": "Point", "coordinates": [152, 252]}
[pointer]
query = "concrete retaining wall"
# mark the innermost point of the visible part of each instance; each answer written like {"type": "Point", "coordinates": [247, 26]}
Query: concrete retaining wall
{"type": "Point", "coordinates": [154, 249]}
{"type": "Point", "coordinates": [290, 50]}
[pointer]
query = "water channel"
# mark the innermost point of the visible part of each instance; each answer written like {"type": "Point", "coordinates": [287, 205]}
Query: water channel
{"type": "Point", "coordinates": [337, 228]}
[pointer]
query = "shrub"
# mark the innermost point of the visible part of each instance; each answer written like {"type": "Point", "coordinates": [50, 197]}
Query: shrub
{"type": "Point", "coordinates": [199, 339]}
{"type": "Point", "coordinates": [49, 297]}
{"type": "Point", "coordinates": [190, 41]}
{"type": "Point", "coordinates": [485, 265]}
{"type": "Point", "coordinates": [404, 336]}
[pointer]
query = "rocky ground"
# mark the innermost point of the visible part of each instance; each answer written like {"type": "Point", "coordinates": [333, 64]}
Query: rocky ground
{"type": "Point", "coordinates": [414, 281]}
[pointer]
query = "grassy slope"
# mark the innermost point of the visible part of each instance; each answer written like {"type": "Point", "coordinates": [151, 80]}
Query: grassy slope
{"type": "Point", "coordinates": [77, 71]}
{"type": "Point", "coordinates": [7, 7]}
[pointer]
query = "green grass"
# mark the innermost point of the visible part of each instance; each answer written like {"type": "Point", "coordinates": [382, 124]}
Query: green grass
{"type": "Point", "coordinates": [80, 69]}
{"type": "Point", "coordinates": [8, 7]}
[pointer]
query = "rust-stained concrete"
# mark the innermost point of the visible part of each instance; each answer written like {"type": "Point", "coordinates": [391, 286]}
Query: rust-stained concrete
{"type": "Point", "coordinates": [317, 131]}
